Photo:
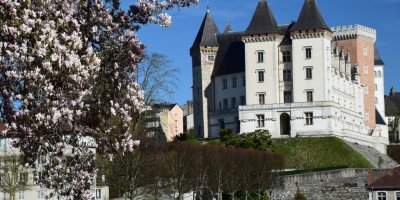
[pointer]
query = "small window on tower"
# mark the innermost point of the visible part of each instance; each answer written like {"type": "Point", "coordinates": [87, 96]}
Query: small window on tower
{"type": "Point", "coordinates": [366, 68]}
{"type": "Point", "coordinates": [309, 73]}
{"type": "Point", "coordinates": [260, 76]}
{"type": "Point", "coordinates": [260, 56]}
{"type": "Point", "coordinates": [308, 52]}
{"type": "Point", "coordinates": [310, 97]}
{"type": "Point", "coordinates": [287, 75]}
{"type": "Point", "coordinates": [261, 98]}
{"type": "Point", "coordinates": [211, 58]}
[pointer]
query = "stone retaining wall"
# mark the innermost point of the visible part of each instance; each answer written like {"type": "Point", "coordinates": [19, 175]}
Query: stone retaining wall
{"type": "Point", "coordinates": [346, 184]}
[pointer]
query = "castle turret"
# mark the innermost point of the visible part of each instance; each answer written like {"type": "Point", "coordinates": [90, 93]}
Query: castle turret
{"type": "Point", "coordinates": [379, 83]}
{"type": "Point", "coordinates": [310, 18]}
{"type": "Point", "coordinates": [311, 39]}
{"type": "Point", "coordinates": [203, 52]}
{"type": "Point", "coordinates": [262, 39]}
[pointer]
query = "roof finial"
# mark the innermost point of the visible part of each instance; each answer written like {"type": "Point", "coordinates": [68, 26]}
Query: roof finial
{"type": "Point", "coordinates": [208, 6]}
{"type": "Point", "coordinates": [228, 28]}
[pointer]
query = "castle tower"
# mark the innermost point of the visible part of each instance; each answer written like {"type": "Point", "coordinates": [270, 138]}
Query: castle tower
{"type": "Point", "coordinates": [262, 38]}
{"type": "Point", "coordinates": [360, 41]}
{"type": "Point", "coordinates": [203, 52]}
{"type": "Point", "coordinates": [311, 43]}
{"type": "Point", "coordinates": [379, 83]}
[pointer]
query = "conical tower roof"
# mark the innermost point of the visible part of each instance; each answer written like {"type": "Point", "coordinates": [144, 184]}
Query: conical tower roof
{"type": "Point", "coordinates": [378, 59]}
{"type": "Point", "coordinates": [310, 18]}
{"type": "Point", "coordinates": [207, 33]}
{"type": "Point", "coordinates": [263, 21]}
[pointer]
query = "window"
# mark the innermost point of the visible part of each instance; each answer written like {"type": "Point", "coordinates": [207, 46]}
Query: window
{"type": "Point", "coordinates": [211, 58]}
{"type": "Point", "coordinates": [260, 121]}
{"type": "Point", "coordinates": [309, 116]}
{"type": "Point", "coordinates": [98, 193]}
{"type": "Point", "coordinates": [376, 74]}
{"type": "Point", "coordinates": [308, 73]}
{"type": "Point", "coordinates": [242, 100]}
{"type": "Point", "coordinates": [286, 56]}
{"type": "Point", "coordinates": [381, 195]}
{"type": "Point", "coordinates": [224, 84]}
{"type": "Point", "coordinates": [234, 82]}
{"type": "Point", "coordinates": [220, 106]}
{"type": "Point", "coordinates": [233, 102]}
{"type": "Point", "coordinates": [260, 56]}
{"type": "Point", "coordinates": [287, 97]}
{"type": "Point", "coordinates": [23, 177]}
{"type": "Point", "coordinates": [225, 104]}
{"type": "Point", "coordinates": [397, 195]}
{"type": "Point", "coordinates": [21, 195]}
{"type": "Point", "coordinates": [287, 75]}
{"type": "Point", "coordinates": [376, 87]}
{"type": "Point", "coordinates": [221, 123]}
{"type": "Point", "coordinates": [261, 98]}
{"type": "Point", "coordinates": [366, 69]}
{"type": "Point", "coordinates": [308, 52]}
{"type": "Point", "coordinates": [365, 50]}
{"type": "Point", "coordinates": [376, 100]}
{"type": "Point", "coordinates": [379, 74]}
{"type": "Point", "coordinates": [260, 76]}
{"type": "Point", "coordinates": [243, 80]}
{"type": "Point", "coordinates": [310, 96]}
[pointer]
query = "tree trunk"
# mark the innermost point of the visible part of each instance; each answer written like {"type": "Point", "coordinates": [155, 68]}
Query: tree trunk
{"type": "Point", "coordinates": [245, 195]}
{"type": "Point", "coordinates": [233, 196]}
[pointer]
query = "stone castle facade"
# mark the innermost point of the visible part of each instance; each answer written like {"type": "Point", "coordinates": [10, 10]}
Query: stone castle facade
{"type": "Point", "coordinates": [301, 79]}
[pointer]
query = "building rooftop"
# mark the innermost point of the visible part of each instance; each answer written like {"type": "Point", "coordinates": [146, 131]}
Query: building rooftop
{"type": "Point", "coordinates": [263, 21]}
{"type": "Point", "coordinates": [206, 37]}
{"type": "Point", "coordinates": [310, 18]}
{"type": "Point", "coordinates": [378, 60]}
{"type": "Point", "coordinates": [390, 180]}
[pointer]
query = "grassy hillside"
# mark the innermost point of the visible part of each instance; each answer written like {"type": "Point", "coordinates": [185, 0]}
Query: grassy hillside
{"type": "Point", "coordinates": [315, 153]}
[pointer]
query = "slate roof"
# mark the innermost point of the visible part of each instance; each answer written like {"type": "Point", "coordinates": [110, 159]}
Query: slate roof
{"type": "Point", "coordinates": [207, 33]}
{"type": "Point", "coordinates": [230, 56]}
{"type": "Point", "coordinates": [285, 30]}
{"type": "Point", "coordinates": [263, 21]}
{"type": "Point", "coordinates": [228, 28]}
{"type": "Point", "coordinates": [390, 180]}
{"type": "Point", "coordinates": [310, 18]}
{"type": "Point", "coordinates": [231, 53]}
{"type": "Point", "coordinates": [379, 119]}
{"type": "Point", "coordinates": [378, 59]}
{"type": "Point", "coordinates": [392, 105]}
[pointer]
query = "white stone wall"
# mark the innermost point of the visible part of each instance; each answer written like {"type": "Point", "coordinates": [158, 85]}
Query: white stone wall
{"type": "Point", "coordinates": [228, 93]}
{"type": "Point", "coordinates": [379, 89]}
{"type": "Point", "coordinates": [270, 85]}
{"type": "Point", "coordinates": [319, 62]}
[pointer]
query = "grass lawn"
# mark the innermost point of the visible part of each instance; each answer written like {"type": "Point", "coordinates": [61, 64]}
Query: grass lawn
{"type": "Point", "coordinates": [319, 153]}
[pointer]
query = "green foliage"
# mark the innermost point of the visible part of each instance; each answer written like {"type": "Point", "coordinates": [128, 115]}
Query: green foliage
{"type": "Point", "coordinates": [314, 153]}
{"type": "Point", "coordinates": [259, 139]}
{"type": "Point", "coordinates": [187, 135]}
{"type": "Point", "coordinates": [300, 196]}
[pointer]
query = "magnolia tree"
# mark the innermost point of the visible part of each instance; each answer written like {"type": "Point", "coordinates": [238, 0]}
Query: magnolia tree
{"type": "Point", "coordinates": [66, 74]}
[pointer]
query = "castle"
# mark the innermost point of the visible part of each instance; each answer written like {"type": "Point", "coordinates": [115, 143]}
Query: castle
{"type": "Point", "coordinates": [301, 79]}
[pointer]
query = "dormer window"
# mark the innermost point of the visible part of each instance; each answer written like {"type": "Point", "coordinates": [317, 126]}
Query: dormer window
{"type": "Point", "coordinates": [260, 56]}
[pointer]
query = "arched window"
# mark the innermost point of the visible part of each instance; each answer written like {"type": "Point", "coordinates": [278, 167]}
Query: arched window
{"type": "Point", "coordinates": [379, 74]}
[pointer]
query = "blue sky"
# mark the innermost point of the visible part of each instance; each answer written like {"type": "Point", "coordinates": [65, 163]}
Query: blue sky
{"type": "Point", "coordinates": [175, 41]}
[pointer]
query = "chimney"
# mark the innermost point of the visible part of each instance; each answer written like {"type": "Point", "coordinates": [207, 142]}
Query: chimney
{"type": "Point", "coordinates": [370, 176]}
{"type": "Point", "coordinates": [391, 93]}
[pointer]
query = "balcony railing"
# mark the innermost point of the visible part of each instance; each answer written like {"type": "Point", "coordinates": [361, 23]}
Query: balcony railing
{"type": "Point", "coordinates": [289, 105]}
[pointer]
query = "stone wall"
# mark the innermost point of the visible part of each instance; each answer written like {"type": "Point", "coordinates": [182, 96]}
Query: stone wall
{"type": "Point", "coordinates": [327, 185]}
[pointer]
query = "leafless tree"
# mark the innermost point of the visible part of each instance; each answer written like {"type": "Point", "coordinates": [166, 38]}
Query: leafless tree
{"type": "Point", "coordinates": [157, 77]}
{"type": "Point", "coordinates": [13, 176]}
